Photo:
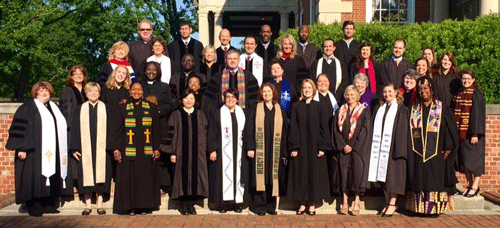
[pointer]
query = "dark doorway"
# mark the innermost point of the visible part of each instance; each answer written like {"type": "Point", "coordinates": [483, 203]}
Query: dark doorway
{"type": "Point", "coordinates": [249, 23]}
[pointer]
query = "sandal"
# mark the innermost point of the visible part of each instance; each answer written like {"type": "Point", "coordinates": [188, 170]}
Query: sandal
{"type": "Point", "coordinates": [344, 210]}
{"type": "Point", "coordinates": [355, 212]}
{"type": "Point", "coordinates": [87, 211]}
{"type": "Point", "coordinates": [384, 215]}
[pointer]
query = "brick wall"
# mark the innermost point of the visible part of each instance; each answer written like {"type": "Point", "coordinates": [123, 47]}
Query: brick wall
{"type": "Point", "coordinates": [358, 11]}
{"type": "Point", "coordinates": [6, 157]}
{"type": "Point", "coordinates": [422, 10]}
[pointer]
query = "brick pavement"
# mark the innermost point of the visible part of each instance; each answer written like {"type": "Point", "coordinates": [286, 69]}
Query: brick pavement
{"type": "Point", "coordinates": [251, 221]}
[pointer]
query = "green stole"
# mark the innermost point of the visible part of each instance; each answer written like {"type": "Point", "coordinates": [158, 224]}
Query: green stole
{"type": "Point", "coordinates": [131, 130]}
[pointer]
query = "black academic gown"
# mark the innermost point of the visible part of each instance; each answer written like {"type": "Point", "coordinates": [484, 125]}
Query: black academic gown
{"type": "Point", "coordinates": [447, 87]}
{"type": "Point", "coordinates": [221, 55]}
{"type": "Point", "coordinates": [76, 145]}
{"type": "Point", "coordinates": [354, 165]}
{"type": "Point", "coordinates": [139, 53]}
{"type": "Point", "coordinates": [436, 174]}
{"type": "Point", "coordinates": [113, 97]}
{"type": "Point", "coordinates": [212, 70]}
{"type": "Point", "coordinates": [390, 72]}
{"type": "Point", "coordinates": [104, 71]}
{"type": "Point", "coordinates": [308, 134]}
{"type": "Point", "coordinates": [25, 135]}
{"type": "Point", "coordinates": [396, 168]}
{"type": "Point", "coordinates": [266, 54]}
{"type": "Point", "coordinates": [137, 182]}
{"type": "Point", "coordinates": [346, 55]}
{"type": "Point", "coordinates": [331, 71]}
{"type": "Point", "coordinates": [295, 71]}
{"type": "Point", "coordinates": [471, 157]}
{"type": "Point", "coordinates": [177, 49]}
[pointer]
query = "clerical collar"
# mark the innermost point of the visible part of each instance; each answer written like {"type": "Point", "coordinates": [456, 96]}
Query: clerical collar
{"type": "Point", "coordinates": [233, 71]}
{"type": "Point", "coordinates": [304, 44]}
{"type": "Point", "coordinates": [150, 82]}
{"type": "Point", "coordinates": [190, 110]}
{"type": "Point", "coordinates": [186, 41]}
{"type": "Point", "coordinates": [226, 46]}
{"type": "Point", "coordinates": [397, 59]}
{"type": "Point", "coordinates": [145, 42]}
{"type": "Point", "coordinates": [187, 73]}
{"type": "Point", "coordinates": [93, 104]}
{"type": "Point", "coordinates": [266, 45]}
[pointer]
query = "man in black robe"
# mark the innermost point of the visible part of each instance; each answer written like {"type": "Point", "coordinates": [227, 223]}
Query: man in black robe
{"type": "Point", "coordinates": [347, 48]}
{"type": "Point", "coordinates": [265, 48]}
{"type": "Point", "coordinates": [212, 99]}
{"type": "Point", "coordinates": [225, 45]}
{"type": "Point", "coordinates": [306, 50]}
{"type": "Point", "coordinates": [179, 81]}
{"type": "Point", "coordinates": [393, 69]}
{"type": "Point", "coordinates": [140, 50]}
{"type": "Point", "coordinates": [186, 45]}
{"type": "Point", "coordinates": [330, 67]}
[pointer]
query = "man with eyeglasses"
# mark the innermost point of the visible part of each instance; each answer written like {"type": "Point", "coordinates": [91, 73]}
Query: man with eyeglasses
{"type": "Point", "coordinates": [186, 45]}
{"type": "Point", "coordinates": [140, 50]}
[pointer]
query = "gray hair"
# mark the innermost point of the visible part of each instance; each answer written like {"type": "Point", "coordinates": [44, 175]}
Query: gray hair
{"type": "Point", "coordinates": [412, 73]}
{"type": "Point", "coordinates": [362, 77]}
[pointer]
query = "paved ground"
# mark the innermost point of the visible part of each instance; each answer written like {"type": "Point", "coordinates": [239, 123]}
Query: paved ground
{"type": "Point", "coordinates": [251, 221]}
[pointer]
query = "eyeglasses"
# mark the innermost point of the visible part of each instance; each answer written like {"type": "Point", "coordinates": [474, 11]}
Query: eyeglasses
{"type": "Point", "coordinates": [145, 29]}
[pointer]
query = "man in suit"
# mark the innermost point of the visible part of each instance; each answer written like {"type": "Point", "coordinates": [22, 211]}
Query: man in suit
{"type": "Point", "coordinates": [186, 45]}
{"type": "Point", "coordinates": [347, 49]}
{"type": "Point", "coordinates": [306, 50]}
{"type": "Point", "coordinates": [225, 46]}
{"type": "Point", "coordinates": [265, 48]}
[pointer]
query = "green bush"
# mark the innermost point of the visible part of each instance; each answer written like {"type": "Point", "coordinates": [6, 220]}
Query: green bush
{"type": "Point", "coordinates": [473, 42]}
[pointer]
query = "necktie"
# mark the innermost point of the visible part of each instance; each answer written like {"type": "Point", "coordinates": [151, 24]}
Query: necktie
{"type": "Point", "coordinates": [303, 48]}
{"type": "Point", "coordinates": [225, 49]}
{"type": "Point", "coordinates": [397, 62]}
{"type": "Point", "coordinates": [249, 58]}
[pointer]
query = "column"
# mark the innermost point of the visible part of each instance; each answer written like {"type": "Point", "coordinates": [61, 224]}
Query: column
{"type": "Point", "coordinates": [489, 6]}
{"type": "Point", "coordinates": [217, 28]}
{"type": "Point", "coordinates": [284, 21]}
{"type": "Point", "coordinates": [203, 30]}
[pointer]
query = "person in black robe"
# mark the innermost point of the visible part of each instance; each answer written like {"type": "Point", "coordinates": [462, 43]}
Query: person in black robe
{"type": "Point", "coordinates": [186, 45]}
{"type": "Point", "coordinates": [226, 166]}
{"type": "Point", "coordinates": [210, 66]}
{"type": "Point", "coordinates": [347, 48]}
{"type": "Point", "coordinates": [329, 66]}
{"type": "Point", "coordinates": [33, 188]}
{"type": "Point", "coordinates": [71, 97]}
{"type": "Point", "coordinates": [308, 141]}
{"type": "Point", "coordinates": [159, 93]}
{"type": "Point", "coordinates": [186, 146]}
{"type": "Point", "coordinates": [140, 50]}
{"type": "Point", "coordinates": [393, 69]}
{"type": "Point", "coordinates": [136, 134]}
{"type": "Point", "coordinates": [225, 45]}
{"type": "Point", "coordinates": [179, 81]}
{"type": "Point", "coordinates": [306, 50]}
{"type": "Point", "coordinates": [117, 56]}
{"type": "Point", "coordinates": [366, 65]}
{"type": "Point", "coordinates": [470, 116]}
{"type": "Point", "coordinates": [264, 200]}
{"type": "Point", "coordinates": [351, 148]}
{"type": "Point", "coordinates": [293, 65]}
{"type": "Point", "coordinates": [266, 48]}
{"type": "Point", "coordinates": [194, 84]}
{"type": "Point", "coordinates": [226, 79]}
{"type": "Point", "coordinates": [287, 95]}
{"type": "Point", "coordinates": [431, 174]}
{"type": "Point", "coordinates": [447, 79]}
{"type": "Point", "coordinates": [94, 174]}
{"type": "Point", "coordinates": [409, 88]}
{"type": "Point", "coordinates": [115, 91]}
{"type": "Point", "coordinates": [393, 182]}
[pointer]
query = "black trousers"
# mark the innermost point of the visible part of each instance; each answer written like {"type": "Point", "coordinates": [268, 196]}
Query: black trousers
{"type": "Point", "coordinates": [188, 201]}
{"type": "Point", "coordinates": [264, 201]}
{"type": "Point", "coordinates": [36, 207]}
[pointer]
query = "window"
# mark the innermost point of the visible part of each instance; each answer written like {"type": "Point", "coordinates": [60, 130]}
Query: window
{"type": "Point", "coordinates": [393, 11]}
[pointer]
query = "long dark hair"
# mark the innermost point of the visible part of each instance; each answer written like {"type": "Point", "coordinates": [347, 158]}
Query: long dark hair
{"type": "Point", "coordinates": [453, 68]}
{"type": "Point", "coordinates": [432, 86]}
{"type": "Point", "coordinates": [471, 73]}
{"type": "Point", "coordinates": [360, 63]}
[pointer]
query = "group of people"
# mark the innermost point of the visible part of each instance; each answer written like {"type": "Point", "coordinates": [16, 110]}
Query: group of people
{"type": "Point", "coordinates": [289, 120]}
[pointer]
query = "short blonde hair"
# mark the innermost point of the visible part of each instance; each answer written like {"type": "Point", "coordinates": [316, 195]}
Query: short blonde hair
{"type": "Point", "coordinates": [42, 85]}
{"type": "Point", "coordinates": [294, 46]}
{"type": "Point", "coordinates": [307, 80]}
{"type": "Point", "coordinates": [112, 84]}
{"type": "Point", "coordinates": [90, 86]}
{"type": "Point", "coordinates": [118, 45]}
{"type": "Point", "coordinates": [142, 22]}
{"type": "Point", "coordinates": [209, 47]}
{"type": "Point", "coordinates": [353, 89]}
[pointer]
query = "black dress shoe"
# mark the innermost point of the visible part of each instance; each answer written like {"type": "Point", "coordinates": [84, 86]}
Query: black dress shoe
{"type": "Point", "coordinates": [101, 211]}
{"type": "Point", "coordinates": [52, 210]}
{"type": "Point", "coordinates": [300, 212]}
{"type": "Point", "coordinates": [434, 216]}
{"type": "Point", "coordinates": [272, 212]}
{"type": "Point", "coordinates": [472, 195]}
{"type": "Point", "coordinates": [86, 211]}
{"type": "Point", "coordinates": [261, 213]}
{"type": "Point", "coordinates": [192, 210]}
{"type": "Point", "coordinates": [238, 209]}
{"type": "Point", "coordinates": [184, 211]}
{"type": "Point", "coordinates": [222, 211]}
{"type": "Point", "coordinates": [311, 212]}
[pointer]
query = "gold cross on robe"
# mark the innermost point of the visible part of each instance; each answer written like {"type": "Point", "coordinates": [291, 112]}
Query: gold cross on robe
{"type": "Point", "coordinates": [130, 135]}
{"type": "Point", "coordinates": [49, 154]}
{"type": "Point", "coordinates": [147, 133]}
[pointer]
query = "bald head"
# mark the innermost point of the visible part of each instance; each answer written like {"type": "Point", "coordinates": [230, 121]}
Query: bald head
{"type": "Point", "coordinates": [266, 33]}
{"type": "Point", "coordinates": [225, 37]}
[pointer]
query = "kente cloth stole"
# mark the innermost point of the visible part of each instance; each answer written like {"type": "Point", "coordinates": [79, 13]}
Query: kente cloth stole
{"type": "Point", "coordinates": [86, 145]}
{"type": "Point", "coordinates": [463, 107]}
{"type": "Point", "coordinates": [344, 109]}
{"type": "Point", "coordinates": [260, 156]}
{"type": "Point", "coordinates": [130, 127]}
{"type": "Point", "coordinates": [240, 77]}
{"type": "Point", "coordinates": [425, 143]}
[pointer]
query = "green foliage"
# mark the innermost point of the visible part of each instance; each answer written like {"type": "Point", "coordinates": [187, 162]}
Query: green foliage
{"type": "Point", "coordinates": [473, 42]}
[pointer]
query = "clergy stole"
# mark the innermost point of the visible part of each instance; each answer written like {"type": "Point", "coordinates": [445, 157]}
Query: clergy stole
{"type": "Point", "coordinates": [260, 156]}
{"type": "Point", "coordinates": [286, 93]}
{"type": "Point", "coordinates": [338, 71]}
{"type": "Point", "coordinates": [257, 66]}
{"type": "Point", "coordinates": [426, 147]}
{"type": "Point", "coordinates": [356, 112]}
{"type": "Point", "coordinates": [381, 142]}
{"type": "Point", "coordinates": [333, 101]}
{"type": "Point", "coordinates": [49, 141]}
{"type": "Point", "coordinates": [240, 77]}
{"type": "Point", "coordinates": [131, 128]}
{"type": "Point", "coordinates": [228, 160]}
{"type": "Point", "coordinates": [463, 107]}
{"type": "Point", "coordinates": [88, 170]}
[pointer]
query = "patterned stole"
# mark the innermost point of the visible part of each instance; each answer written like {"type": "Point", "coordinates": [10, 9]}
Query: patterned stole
{"type": "Point", "coordinates": [131, 125]}
{"type": "Point", "coordinates": [240, 76]}
{"type": "Point", "coordinates": [344, 109]}
{"type": "Point", "coordinates": [463, 107]}
{"type": "Point", "coordinates": [425, 143]}
{"type": "Point", "coordinates": [286, 93]}
{"type": "Point", "coordinates": [260, 156]}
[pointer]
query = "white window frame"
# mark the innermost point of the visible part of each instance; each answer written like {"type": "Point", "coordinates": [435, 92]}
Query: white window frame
{"type": "Point", "coordinates": [410, 11]}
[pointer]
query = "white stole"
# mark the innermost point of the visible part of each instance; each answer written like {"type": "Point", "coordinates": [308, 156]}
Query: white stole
{"type": "Point", "coordinates": [257, 66]}
{"type": "Point", "coordinates": [49, 141]}
{"type": "Point", "coordinates": [86, 144]}
{"type": "Point", "coordinates": [338, 69]}
{"type": "Point", "coordinates": [166, 71]}
{"type": "Point", "coordinates": [381, 143]}
{"type": "Point", "coordinates": [333, 101]}
{"type": "Point", "coordinates": [228, 181]}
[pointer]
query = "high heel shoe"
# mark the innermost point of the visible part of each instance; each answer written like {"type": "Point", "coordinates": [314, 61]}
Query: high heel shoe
{"type": "Point", "coordinates": [383, 210]}
{"type": "Point", "coordinates": [385, 215]}
{"type": "Point", "coordinates": [475, 192]}
{"type": "Point", "coordinates": [466, 191]}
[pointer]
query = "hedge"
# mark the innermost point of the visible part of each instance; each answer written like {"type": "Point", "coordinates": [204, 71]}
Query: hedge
{"type": "Point", "coordinates": [475, 44]}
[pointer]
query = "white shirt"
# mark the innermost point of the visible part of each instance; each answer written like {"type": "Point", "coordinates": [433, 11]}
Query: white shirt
{"type": "Point", "coordinates": [266, 45]}
{"type": "Point", "coordinates": [186, 41]}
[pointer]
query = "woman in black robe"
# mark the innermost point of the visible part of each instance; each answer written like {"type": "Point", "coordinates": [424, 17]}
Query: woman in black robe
{"type": "Point", "coordinates": [159, 93]}
{"type": "Point", "coordinates": [447, 79]}
{"type": "Point", "coordinates": [365, 65]}
{"type": "Point", "coordinates": [293, 64]}
{"type": "Point", "coordinates": [286, 93]}
{"type": "Point", "coordinates": [40, 163]}
{"type": "Point", "coordinates": [225, 168]}
{"type": "Point", "coordinates": [409, 87]}
{"type": "Point", "coordinates": [308, 140]}
{"type": "Point", "coordinates": [388, 166]}
{"type": "Point", "coordinates": [351, 130]}
{"type": "Point", "coordinates": [88, 146]}
{"type": "Point", "coordinates": [422, 67]}
{"type": "Point", "coordinates": [116, 88]}
{"type": "Point", "coordinates": [209, 65]}
{"type": "Point", "coordinates": [194, 84]}
{"type": "Point", "coordinates": [265, 165]}
{"type": "Point", "coordinates": [470, 114]}
{"type": "Point", "coordinates": [136, 134]}
{"type": "Point", "coordinates": [186, 146]}
{"type": "Point", "coordinates": [431, 174]}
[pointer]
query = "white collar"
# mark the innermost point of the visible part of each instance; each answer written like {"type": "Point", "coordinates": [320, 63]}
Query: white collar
{"type": "Point", "coordinates": [227, 46]}
{"type": "Point", "coordinates": [266, 45]}
{"type": "Point", "coordinates": [304, 44]}
{"type": "Point", "coordinates": [186, 40]}
{"type": "Point", "coordinates": [397, 59]}
{"type": "Point", "coordinates": [190, 111]}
